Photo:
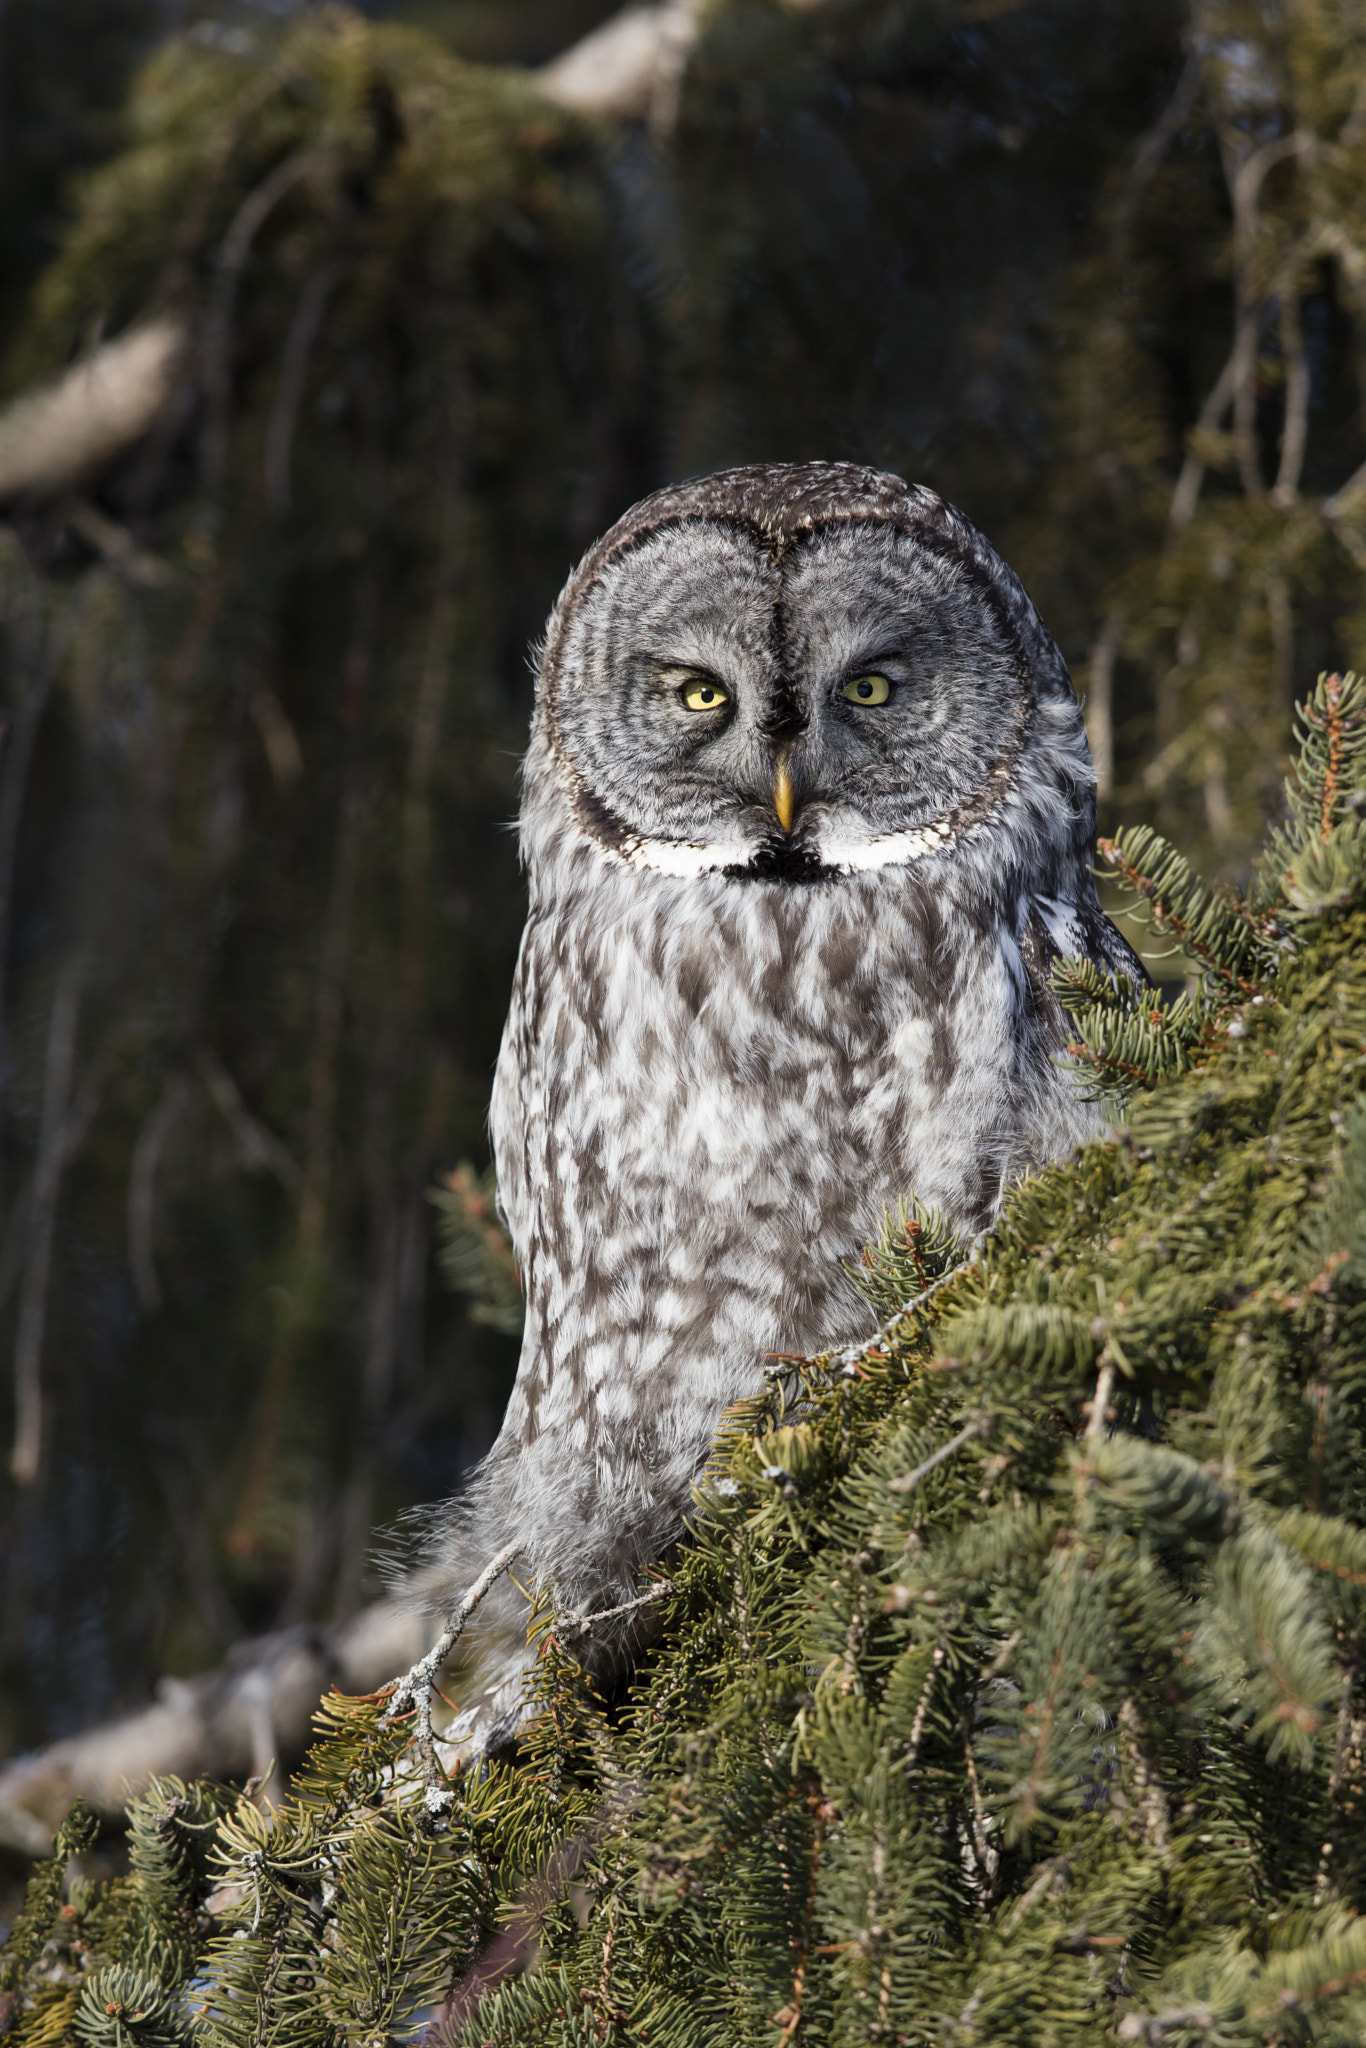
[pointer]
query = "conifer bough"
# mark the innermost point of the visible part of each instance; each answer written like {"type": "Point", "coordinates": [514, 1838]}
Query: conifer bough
{"type": "Point", "coordinates": [1010, 1688]}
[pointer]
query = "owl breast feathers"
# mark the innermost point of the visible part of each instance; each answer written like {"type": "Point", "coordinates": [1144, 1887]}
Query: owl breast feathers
{"type": "Point", "coordinates": [808, 812]}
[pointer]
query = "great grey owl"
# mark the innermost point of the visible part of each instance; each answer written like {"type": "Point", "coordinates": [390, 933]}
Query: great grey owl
{"type": "Point", "coordinates": [808, 811]}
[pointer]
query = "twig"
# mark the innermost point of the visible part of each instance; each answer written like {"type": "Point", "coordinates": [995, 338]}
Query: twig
{"type": "Point", "coordinates": [1100, 1404]}
{"type": "Point", "coordinates": [247, 223]}
{"type": "Point", "coordinates": [432, 690]}
{"type": "Point", "coordinates": [907, 1483]}
{"type": "Point", "coordinates": [47, 1181]}
{"type": "Point", "coordinates": [1187, 492]}
{"type": "Point", "coordinates": [414, 1690]}
{"type": "Point", "coordinates": [257, 1145]}
{"type": "Point", "coordinates": [1100, 724]}
{"type": "Point", "coordinates": [284, 410]}
{"type": "Point", "coordinates": [791, 2015]}
{"type": "Point", "coordinates": [1340, 1748]}
{"type": "Point", "coordinates": [987, 1858]}
{"type": "Point", "coordinates": [142, 1181]}
{"type": "Point", "coordinates": [318, 1142]}
{"type": "Point", "coordinates": [1295, 433]}
{"type": "Point", "coordinates": [1244, 191]}
{"type": "Point", "coordinates": [1046, 1877]}
{"type": "Point", "coordinates": [582, 1624]}
{"type": "Point", "coordinates": [34, 663]}
{"type": "Point", "coordinates": [1154, 146]}
{"type": "Point", "coordinates": [922, 1707]}
{"type": "Point", "coordinates": [854, 1352]}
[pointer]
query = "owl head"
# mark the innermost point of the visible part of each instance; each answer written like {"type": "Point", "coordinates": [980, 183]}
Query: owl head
{"type": "Point", "coordinates": [795, 673]}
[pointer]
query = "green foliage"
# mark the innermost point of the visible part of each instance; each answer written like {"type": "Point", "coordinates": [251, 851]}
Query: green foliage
{"type": "Point", "coordinates": [476, 1257]}
{"type": "Point", "coordinates": [1012, 1684]}
{"type": "Point", "coordinates": [128, 2009]}
{"type": "Point", "coordinates": [914, 1247]}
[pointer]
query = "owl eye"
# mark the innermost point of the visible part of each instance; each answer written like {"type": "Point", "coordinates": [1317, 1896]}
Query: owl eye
{"type": "Point", "coordinates": [705, 696]}
{"type": "Point", "coordinates": [867, 690]}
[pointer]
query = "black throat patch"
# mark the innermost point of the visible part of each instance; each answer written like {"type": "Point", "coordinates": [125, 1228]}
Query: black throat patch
{"type": "Point", "coordinates": [782, 860]}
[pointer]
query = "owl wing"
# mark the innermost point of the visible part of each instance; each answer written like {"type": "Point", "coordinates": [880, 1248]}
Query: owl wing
{"type": "Point", "coordinates": [517, 1111]}
{"type": "Point", "coordinates": [1058, 929]}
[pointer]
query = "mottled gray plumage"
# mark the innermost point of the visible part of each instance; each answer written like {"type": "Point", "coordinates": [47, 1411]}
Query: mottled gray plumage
{"type": "Point", "coordinates": [731, 1044]}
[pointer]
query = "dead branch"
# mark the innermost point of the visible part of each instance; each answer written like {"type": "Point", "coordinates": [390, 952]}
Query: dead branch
{"type": "Point", "coordinates": [303, 332]}
{"type": "Point", "coordinates": [55, 439]}
{"type": "Point", "coordinates": [629, 69]}
{"type": "Point", "coordinates": [42, 1216]}
{"type": "Point", "coordinates": [257, 1146]}
{"type": "Point", "coordinates": [250, 217]}
{"type": "Point", "coordinates": [58, 439]}
{"type": "Point", "coordinates": [117, 545]}
{"type": "Point", "coordinates": [214, 1725]}
{"type": "Point", "coordinates": [1295, 433]}
{"type": "Point", "coordinates": [142, 1184]}
{"type": "Point", "coordinates": [1100, 727]}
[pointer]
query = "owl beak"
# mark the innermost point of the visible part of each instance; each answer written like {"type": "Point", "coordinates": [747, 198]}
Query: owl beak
{"type": "Point", "coordinates": [784, 802]}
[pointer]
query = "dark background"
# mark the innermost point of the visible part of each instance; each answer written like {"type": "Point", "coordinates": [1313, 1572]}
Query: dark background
{"type": "Point", "coordinates": [263, 904]}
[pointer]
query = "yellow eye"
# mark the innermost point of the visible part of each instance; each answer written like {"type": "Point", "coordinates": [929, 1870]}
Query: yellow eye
{"type": "Point", "coordinates": [867, 690]}
{"type": "Point", "coordinates": [705, 697]}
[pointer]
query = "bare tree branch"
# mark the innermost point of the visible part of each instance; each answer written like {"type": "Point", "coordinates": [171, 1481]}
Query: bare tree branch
{"type": "Point", "coordinates": [250, 217]}
{"type": "Point", "coordinates": [631, 68]}
{"type": "Point", "coordinates": [1295, 432]}
{"type": "Point", "coordinates": [142, 1182]}
{"type": "Point", "coordinates": [258, 1146]}
{"type": "Point", "coordinates": [1100, 723]}
{"type": "Point", "coordinates": [42, 1217]}
{"type": "Point", "coordinates": [303, 332]}
{"type": "Point", "coordinates": [214, 1725]}
{"type": "Point", "coordinates": [55, 439]}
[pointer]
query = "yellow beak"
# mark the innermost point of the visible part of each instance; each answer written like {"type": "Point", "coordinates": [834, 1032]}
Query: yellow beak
{"type": "Point", "coordinates": [782, 792]}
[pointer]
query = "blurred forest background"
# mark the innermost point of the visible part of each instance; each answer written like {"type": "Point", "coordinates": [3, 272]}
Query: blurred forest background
{"type": "Point", "coordinates": [1095, 269]}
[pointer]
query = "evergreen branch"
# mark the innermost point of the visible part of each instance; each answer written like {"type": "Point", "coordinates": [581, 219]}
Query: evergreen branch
{"type": "Point", "coordinates": [854, 1354]}
{"type": "Point", "coordinates": [42, 1899]}
{"type": "Point", "coordinates": [1218, 934]}
{"type": "Point", "coordinates": [1139, 1045]}
{"type": "Point", "coordinates": [1333, 725]}
{"type": "Point", "coordinates": [1081, 986]}
{"type": "Point", "coordinates": [476, 1254]}
{"type": "Point", "coordinates": [1326, 1542]}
